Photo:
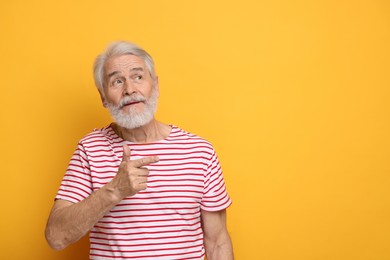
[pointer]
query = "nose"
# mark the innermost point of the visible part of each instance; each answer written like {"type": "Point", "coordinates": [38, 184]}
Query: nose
{"type": "Point", "coordinates": [128, 88]}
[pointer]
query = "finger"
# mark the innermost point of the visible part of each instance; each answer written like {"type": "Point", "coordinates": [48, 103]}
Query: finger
{"type": "Point", "coordinates": [143, 172]}
{"type": "Point", "coordinates": [144, 161]}
{"type": "Point", "coordinates": [126, 153]}
{"type": "Point", "coordinates": [142, 186]}
{"type": "Point", "coordinates": [142, 180]}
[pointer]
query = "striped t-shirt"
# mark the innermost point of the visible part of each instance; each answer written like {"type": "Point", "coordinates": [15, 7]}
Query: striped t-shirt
{"type": "Point", "coordinates": [163, 221]}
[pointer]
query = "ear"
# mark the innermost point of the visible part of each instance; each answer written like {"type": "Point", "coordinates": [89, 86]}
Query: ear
{"type": "Point", "coordinates": [104, 102]}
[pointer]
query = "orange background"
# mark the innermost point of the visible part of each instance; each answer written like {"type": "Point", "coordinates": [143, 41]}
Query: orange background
{"type": "Point", "coordinates": [294, 95]}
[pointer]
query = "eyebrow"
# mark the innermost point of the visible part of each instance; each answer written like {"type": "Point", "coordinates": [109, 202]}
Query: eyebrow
{"type": "Point", "coordinates": [117, 72]}
{"type": "Point", "coordinates": [112, 74]}
{"type": "Point", "coordinates": [137, 69]}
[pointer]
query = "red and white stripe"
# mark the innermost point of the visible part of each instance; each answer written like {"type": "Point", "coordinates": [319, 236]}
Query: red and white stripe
{"type": "Point", "coordinates": [163, 221]}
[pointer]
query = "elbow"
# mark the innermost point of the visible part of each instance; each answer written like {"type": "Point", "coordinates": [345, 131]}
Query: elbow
{"type": "Point", "coordinates": [53, 241]}
{"type": "Point", "coordinates": [58, 246]}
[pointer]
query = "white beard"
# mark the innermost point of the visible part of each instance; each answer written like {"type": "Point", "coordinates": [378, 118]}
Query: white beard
{"type": "Point", "coordinates": [133, 119]}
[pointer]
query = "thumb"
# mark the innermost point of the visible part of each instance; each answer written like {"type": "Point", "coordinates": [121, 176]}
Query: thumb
{"type": "Point", "coordinates": [126, 153]}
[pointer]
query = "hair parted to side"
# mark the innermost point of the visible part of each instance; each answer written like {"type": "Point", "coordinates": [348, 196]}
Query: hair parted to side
{"type": "Point", "coordinates": [119, 48]}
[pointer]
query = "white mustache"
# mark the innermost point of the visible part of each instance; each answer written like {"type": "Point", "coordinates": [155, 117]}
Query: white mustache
{"type": "Point", "coordinates": [131, 99]}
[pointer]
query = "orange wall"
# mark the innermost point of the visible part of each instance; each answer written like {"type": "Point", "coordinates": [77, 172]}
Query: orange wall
{"type": "Point", "coordinates": [295, 96]}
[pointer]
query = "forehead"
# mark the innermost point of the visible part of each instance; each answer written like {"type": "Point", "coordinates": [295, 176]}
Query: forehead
{"type": "Point", "coordinates": [123, 63]}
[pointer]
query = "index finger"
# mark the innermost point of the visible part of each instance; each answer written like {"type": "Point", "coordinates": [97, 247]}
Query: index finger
{"type": "Point", "coordinates": [145, 161]}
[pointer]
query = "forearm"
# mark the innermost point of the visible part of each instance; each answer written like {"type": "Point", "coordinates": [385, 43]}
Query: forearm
{"type": "Point", "coordinates": [219, 249]}
{"type": "Point", "coordinates": [68, 224]}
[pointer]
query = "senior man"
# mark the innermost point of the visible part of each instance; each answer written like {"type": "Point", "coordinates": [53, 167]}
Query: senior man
{"type": "Point", "coordinates": [141, 188]}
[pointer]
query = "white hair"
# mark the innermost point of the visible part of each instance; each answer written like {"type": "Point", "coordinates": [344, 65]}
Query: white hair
{"type": "Point", "coordinates": [117, 49]}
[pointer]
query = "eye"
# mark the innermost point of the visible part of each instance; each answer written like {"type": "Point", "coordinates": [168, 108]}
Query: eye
{"type": "Point", "coordinates": [138, 77]}
{"type": "Point", "coordinates": [116, 82]}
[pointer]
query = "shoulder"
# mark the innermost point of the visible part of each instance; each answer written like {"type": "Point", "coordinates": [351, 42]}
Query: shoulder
{"type": "Point", "coordinates": [180, 135]}
{"type": "Point", "coordinates": [99, 137]}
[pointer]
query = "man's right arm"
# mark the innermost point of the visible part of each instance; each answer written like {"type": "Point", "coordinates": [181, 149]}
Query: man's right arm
{"type": "Point", "coordinates": [68, 222]}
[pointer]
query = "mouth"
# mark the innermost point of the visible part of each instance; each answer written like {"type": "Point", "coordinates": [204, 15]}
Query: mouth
{"type": "Point", "coordinates": [127, 104]}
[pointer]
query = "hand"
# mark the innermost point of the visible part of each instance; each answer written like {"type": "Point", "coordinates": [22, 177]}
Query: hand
{"type": "Point", "coordinates": [132, 176]}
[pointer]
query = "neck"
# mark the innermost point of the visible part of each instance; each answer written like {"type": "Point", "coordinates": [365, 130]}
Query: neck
{"type": "Point", "coordinates": [151, 132]}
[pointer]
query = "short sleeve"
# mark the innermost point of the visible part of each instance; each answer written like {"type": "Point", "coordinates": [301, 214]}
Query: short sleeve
{"type": "Point", "coordinates": [76, 184]}
{"type": "Point", "coordinates": [215, 196]}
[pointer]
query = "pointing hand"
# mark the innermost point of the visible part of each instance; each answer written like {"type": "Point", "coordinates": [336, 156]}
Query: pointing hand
{"type": "Point", "coordinates": [132, 176]}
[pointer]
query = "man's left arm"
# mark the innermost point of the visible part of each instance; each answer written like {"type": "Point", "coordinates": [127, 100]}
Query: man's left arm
{"type": "Point", "coordinates": [217, 241]}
